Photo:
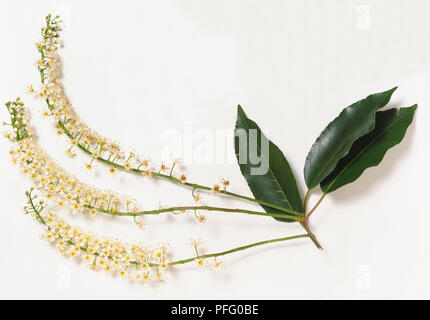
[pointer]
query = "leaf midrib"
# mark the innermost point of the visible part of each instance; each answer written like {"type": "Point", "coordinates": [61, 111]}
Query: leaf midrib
{"type": "Point", "coordinates": [359, 154]}
{"type": "Point", "coordinates": [270, 169]}
{"type": "Point", "coordinates": [328, 162]}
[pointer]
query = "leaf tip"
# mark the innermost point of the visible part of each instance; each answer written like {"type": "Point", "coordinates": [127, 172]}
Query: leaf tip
{"type": "Point", "coordinates": [391, 91]}
{"type": "Point", "coordinates": [240, 111]}
{"type": "Point", "coordinates": [386, 95]}
{"type": "Point", "coordinates": [412, 108]}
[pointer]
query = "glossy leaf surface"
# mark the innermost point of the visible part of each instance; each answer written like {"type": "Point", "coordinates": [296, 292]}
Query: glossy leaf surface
{"type": "Point", "coordinates": [337, 138]}
{"type": "Point", "coordinates": [369, 150]}
{"type": "Point", "coordinates": [271, 180]}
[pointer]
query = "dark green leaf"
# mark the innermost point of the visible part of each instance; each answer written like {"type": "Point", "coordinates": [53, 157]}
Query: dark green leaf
{"type": "Point", "coordinates": [337, 138]}
{"type": "Point", "coordinates": [369, 150]}
{"type": "Point", "coordinates": [271, 180]}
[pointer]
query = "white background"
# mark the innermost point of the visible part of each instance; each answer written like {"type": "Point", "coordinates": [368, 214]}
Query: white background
{"type": "Point", "coordinates": [136, 69]}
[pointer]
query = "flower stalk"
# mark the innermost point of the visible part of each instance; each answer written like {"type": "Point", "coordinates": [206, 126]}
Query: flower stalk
{"type": "Point", "coordinates": [241, 248]}
{"type": "Point", "coordinates": [193, 186]}
{"type": "Point", "coordinates": [195, 208]}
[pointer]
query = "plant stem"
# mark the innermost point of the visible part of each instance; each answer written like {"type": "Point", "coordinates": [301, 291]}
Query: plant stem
{"type": "Point", "coordinates": [223, 253]}
{"type": "Point", "coordinates": [311, 235]}
{"type": "Point", "coordinates": [205, 208]}
{"type": "Point", "coordinates": [194, 186]}
{"type": "Point", "coordinates": [36, 212]}
{"type": "Point", "coordinates": [305, 223]}
{"type": "Point", "coordinates": [305, 202]}
{"type": "Point", "coordinates": [315, 207]}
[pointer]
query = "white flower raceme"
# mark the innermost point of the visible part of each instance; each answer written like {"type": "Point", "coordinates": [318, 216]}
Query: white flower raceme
{"type": "Point", "coordinates": [130, 260]}
{"type": "Point", "coordinates": [70, 124]}
{"type": "Point", "coordinates": [55, 182]}
{"type": "Point", "coordinates": [67, 121]}
{"type": "Point", "coordinates": [61, 186]}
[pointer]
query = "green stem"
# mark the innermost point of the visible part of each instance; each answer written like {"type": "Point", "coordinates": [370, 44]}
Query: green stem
{"type": "Point", "coordinates": [36, 212]}
{"type": "Point", "coordinates": [305, 202]}
{"type": "Point", "coordinates": [315, 207]}
{"type": "Point", "coordinates": [311, 235]}
{"type": "Point", "coordinates": [223, 253]}
{"type": "Point", "coordinates": [305, 223]}
{"type": "Point", "coordinates": [205, 208]}
{"type": "Point", "coordinates": [194, 186]}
